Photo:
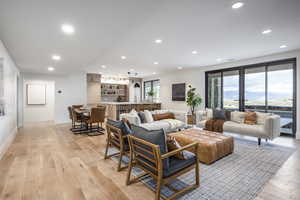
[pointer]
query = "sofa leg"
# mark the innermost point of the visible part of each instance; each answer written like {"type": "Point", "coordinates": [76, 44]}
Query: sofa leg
{"type": "Point", "coordinates": [259, 141]}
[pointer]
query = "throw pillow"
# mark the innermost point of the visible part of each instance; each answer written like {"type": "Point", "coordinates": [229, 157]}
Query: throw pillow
{"type": "Point", "coordinates": [238, 117]}
{"type": "Point", "coordinates": [174, 145]}
{"type": "Point", "coordinates": [261, 117]}
{"type": "Point", "coordinates": [219, 114]}
{"type": "Point", "coordinates": [157, 117]}
{"type": "Point", "coordinates": [250, 118]}
{"type": "Point", "coordinates": [208, 114]}
{"type": "Point", "coordinates": [228, 115]}
{"type": "Point", "coordinates": [121, 125]}
{"type": "Point", "coordinates": [148, 116]}
{"type": "Point", "coordinates": [142, 117]}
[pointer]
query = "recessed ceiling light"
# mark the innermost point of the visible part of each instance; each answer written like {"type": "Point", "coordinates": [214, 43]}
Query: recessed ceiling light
{"type": "Point", "coordinates": [56, 57]}
{"type": "Point", "coordinates": [180, 68]}
{"type": "Point", "coordinates": [154, 73]}
{"type": "Point", "coordinates": [158, 41]}
{"type": "Point", "coordinates": [237, 5]}
{"type": "Point", "coordinates": [194, 52]}
{"type": "Point", "coordinates": [283, 46]}
{"type": "Point", "coordinates": [103, 66]}
{"type": "Point", "coordinates": [51, 69]}
{"type": "Point", "coordinates": [219, 59]}
{"type": "Point", "coordinates": [123, 57]}
{"type": "Point", "coordinates": [266, 31]}
{"type": "Point", "coordinates": [67, 29]}
{"type": "Point", "coordinates": [155, 63]}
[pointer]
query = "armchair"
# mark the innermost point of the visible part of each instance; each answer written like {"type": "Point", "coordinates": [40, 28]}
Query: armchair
{"type": "Point", "coordinates": [148, 157]}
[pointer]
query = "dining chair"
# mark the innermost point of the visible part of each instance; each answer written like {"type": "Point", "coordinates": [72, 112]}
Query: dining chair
{"type": "Point", "coordinates": [147, 156]}
{"type": "Point", "coordinates": [77, 121]}
{"type": "Point", "coordinates": [97, 116]}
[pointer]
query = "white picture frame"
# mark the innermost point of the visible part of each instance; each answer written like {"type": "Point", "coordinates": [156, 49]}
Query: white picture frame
{"type": "Point", "coordinates": [36, 94]}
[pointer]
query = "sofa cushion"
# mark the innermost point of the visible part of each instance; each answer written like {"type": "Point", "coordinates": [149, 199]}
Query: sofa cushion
{"type": "Point", "coordinates": [261, 117]}
{"type": "Point", "coordinates": [120, 125]}
{"type": "Point", "coordinates": [157, 137]}
{"type": "Point", "coordinates": [142, 117]}
{"type": "Point", "coordinates": [238, 117]}
{"type": "Point", "coordinates": [244, 129]}
{"type": "Point", "coordinates": [250, 118]}
{"type": "Point", "coordinates": [219, 114]}
{"type": "Point", "coordinates": [148, 116]}
{"type": "Point", "coordinates": [157, 117]}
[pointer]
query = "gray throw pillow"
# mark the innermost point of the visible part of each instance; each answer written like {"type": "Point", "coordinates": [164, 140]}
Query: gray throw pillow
{"type": "Point", "coordinates": [142, 117]}
{"type": "Point", "coordinates": [219, 114]}
{"type": "Point", "coordinates": [121, 125]}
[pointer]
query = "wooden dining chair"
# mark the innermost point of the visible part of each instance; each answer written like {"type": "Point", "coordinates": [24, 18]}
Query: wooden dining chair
{"type": "Point", "coordinates": [147, 156]}
{"type": "Point", "coordinates": [97, 116]}
{"type": "Point", "coordinates": [118, 140]}
{"type": "Point", "coordinates": [77, 121]}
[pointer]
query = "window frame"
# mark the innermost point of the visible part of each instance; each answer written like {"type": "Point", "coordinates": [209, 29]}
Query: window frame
{"type": "Point", "coordinates": [151, 83]}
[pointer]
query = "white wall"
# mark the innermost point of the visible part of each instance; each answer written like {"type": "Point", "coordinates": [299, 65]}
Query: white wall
{"type": "Point", "coordinates": [8, 123]}
{"type": "Point", "coordinates": [196, 77]}
{"type": "Point", "coordinates": [39, 113]}
{"type": "Point", "coordinates": [73, 91]}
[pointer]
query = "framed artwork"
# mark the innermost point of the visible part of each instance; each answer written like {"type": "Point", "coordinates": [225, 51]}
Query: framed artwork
{"type": "Point", "coordinates": [36, 94]}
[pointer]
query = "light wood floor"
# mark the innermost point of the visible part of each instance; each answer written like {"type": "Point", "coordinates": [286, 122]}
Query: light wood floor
{"type": "Point", "coordinates": [49, 162]}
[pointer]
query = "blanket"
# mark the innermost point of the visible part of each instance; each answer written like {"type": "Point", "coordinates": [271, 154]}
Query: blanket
{"type": "Point", "coordinates": [214, 125]}
{"type": "Point", "coordinates": [174, 123]}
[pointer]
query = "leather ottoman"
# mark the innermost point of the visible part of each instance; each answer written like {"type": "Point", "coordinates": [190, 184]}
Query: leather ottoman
{"type": "Point", "coordinates": [212, 145]}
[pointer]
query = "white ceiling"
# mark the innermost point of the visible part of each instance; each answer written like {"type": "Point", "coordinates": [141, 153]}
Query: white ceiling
{"type": "Point", "coordinates": [107, 30]}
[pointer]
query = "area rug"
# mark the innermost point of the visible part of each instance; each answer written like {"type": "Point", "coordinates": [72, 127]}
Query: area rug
{"type": "Point", "coordinates": [239, 176]}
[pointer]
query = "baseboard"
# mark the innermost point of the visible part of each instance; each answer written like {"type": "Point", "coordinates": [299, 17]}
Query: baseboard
{"type": "Point", "coordinates": [4, 147]}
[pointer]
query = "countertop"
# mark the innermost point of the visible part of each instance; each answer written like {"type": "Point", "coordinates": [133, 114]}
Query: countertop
{"type": "Point", "coordinates": [126, 103]}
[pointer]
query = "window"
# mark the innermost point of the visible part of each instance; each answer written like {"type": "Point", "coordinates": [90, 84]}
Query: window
{"type": "Point", "coordinates": [154, 86]}
{"type": "Point", "coordinates": [265, 87]}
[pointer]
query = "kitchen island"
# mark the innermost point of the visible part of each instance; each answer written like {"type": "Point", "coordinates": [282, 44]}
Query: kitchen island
{"type": "Point", "coordinates": [114, 109]}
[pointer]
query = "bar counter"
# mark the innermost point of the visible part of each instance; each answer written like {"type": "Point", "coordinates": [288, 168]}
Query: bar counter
{"type": "Point", "coordinates": [114, 109]}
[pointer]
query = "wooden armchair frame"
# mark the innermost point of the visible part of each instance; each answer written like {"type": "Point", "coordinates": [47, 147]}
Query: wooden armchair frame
{"type": "Point", "coordinates": [156, 171]}
{"type": "Point", "coordinates": [116, 138]}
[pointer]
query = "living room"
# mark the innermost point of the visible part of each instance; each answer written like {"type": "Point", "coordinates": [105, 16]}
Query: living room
{"type": "Point", "coordinates": [149, 100]}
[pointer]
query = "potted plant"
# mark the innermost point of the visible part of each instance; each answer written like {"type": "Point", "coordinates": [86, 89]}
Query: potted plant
{"type": "Point", "coordinates": [193, 100]}
{"type": "Point", "coordinates": [151, 94]}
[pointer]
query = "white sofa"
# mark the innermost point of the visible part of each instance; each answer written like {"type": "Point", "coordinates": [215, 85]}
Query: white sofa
{"type": "Point", "coordinates": [169, 125]}
{"type": "Point", "coordinates": [267, 126]}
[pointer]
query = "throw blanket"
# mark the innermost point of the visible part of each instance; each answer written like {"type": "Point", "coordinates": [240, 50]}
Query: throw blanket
{"type": "Point", "coordinates": [214, 125]}
{"type": "Point", "coordinates": [174, 123]}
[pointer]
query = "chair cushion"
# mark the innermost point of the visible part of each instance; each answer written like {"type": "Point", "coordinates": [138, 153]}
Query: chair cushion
{"type": "Point", "coordinates": [157, 137]}
{"type": "Point", "coordinates": [255, 130]}
{"type": "Point", "coordinates": [175, 165]}
{"type": "Point", "coordinates": [121, 125]}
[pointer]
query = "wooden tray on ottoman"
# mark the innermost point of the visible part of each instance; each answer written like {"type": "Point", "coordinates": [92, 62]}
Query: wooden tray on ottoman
{"type": "Point", "coordinates": [212, 145]}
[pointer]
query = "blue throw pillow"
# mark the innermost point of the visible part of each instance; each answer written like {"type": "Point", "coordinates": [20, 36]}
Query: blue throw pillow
{"type": "Point", "coordinates": [121, 125]}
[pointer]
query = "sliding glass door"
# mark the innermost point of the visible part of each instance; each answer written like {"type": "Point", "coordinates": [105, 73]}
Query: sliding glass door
{"type": "Point", "coordinates": [214, 83]}
{"type": "Point", "coordinates": [280, 94]}
{"type": "Point", "coordinates": [255, 89]}
{"type": "Point", "coordinates": [231, 90]}
{"type": "Point", "coordinates": [265, 87]}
